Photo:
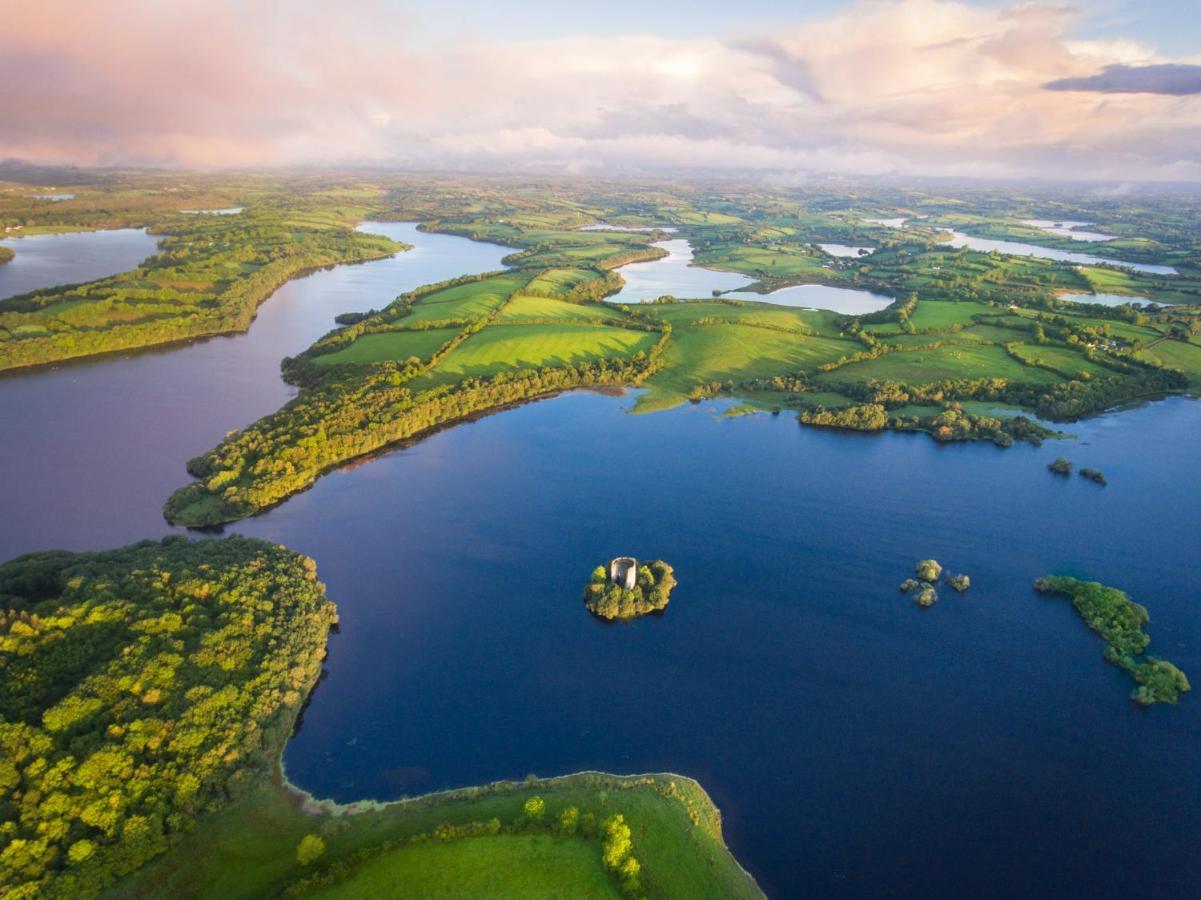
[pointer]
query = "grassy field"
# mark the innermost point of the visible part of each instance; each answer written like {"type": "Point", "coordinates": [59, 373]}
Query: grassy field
{"type": "Point", "coordinates": [466, 301]}
{"type": "Point", "coordinates": [524, 306]}
{"type": "Point", "coordinates": [1063, 360]}
{"type": "Point", "coordinates": [941, 314]}
{"type": "Point", "coordinates": [948, 361]}
{"type": "Point", "coordinates": [1186, 357]}
{"type": "Point", "coordinates": [372, 348]}
{"type": "Point", "coordinates": [699, 354]}
{"type": "Point", "coordinates": [249, 849]}
{"type": "Point", "coordinates": [533, 866]}
{"type": "Point", "coordinates": [500, 347]}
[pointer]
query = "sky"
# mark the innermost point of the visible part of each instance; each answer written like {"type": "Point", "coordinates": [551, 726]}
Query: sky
{"type": "Point", "coordinates": [1099, 89]}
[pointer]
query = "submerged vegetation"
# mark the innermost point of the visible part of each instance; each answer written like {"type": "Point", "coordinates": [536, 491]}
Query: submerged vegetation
{"type": "Point", "coordinates": [1120, 621]}
{"type": "Point", "coordinates": [651, 592]}
{"type": "Point", "coordinates": [148, 693]}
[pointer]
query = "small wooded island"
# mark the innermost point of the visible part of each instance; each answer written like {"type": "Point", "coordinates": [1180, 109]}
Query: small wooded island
{"type": "Point", "coordinates": [626, 590]}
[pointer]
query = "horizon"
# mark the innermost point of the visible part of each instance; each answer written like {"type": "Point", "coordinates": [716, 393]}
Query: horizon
{"type": "Point", "coordinates": [980, 91]}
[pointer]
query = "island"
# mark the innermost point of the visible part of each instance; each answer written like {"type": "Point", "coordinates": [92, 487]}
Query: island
{"type": "Point", "coordinates": [924, 588]}
{"type": "Point", "coordinates": [1119, 620]}
{"type": "Point", "coordinates": [1060, 466]}
{"type": "Point", "coordinates": [1094, 475]}
{"type": "Point", "coordinates": [625, 590]}
{"type": "Point", "coordinates": [147, 696]}
{"type": "Point", "coordinates": [6, 255]}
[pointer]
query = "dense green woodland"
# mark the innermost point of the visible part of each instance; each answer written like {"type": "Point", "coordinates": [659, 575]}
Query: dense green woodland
{"type": "Point", "coordinates": [142, 688]}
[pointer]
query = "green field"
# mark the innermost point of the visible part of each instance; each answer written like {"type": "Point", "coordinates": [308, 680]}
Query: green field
{"type": "Point", "coordinates": [372, 348]}
{"type": "Point", "coordinates": [948, 361]}
{"type": "Point", "coordinates": [701, 354]}
{"type": "Point", "coordinates": [941, 314]}
{"type": "Point", "coordinates": [525, 306]}
{"type": "Point", "coordinates": [465, 301]}
{"type": "Point", "coordinates": [505, 867]}
{"type": "Point", "coordinates": [500, 347]}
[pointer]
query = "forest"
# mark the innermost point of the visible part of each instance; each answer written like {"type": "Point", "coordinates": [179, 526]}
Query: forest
{"type": "Point", "coordinates": [143, 687]}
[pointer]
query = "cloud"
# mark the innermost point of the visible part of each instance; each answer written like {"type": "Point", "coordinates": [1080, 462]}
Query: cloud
{"type": "Point", "coordinates": [889, 86]}
{"type": "Point", "coordinates": [1177, 80]}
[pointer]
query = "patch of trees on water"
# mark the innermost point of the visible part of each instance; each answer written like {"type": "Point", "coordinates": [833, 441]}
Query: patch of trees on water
{"type": "Point", "coordinates": [6, 255]}
{"type": "Point", "coordinates": [1120, 621]}
{"type": "Point", "coordinates": [924, 588]}
{"type": "Point", "coordinates": [142, 687]}
{"type": "Point", "coordinates": [651, 592]}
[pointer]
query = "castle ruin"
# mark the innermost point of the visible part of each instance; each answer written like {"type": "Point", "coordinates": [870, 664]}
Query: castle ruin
{"type": "Point", "coordinates": [623, 571]}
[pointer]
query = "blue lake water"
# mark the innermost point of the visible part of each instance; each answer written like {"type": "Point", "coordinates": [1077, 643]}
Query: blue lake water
{"type": "Point", "coordinates": [856, 744]}
{"type": "Point", "coordinates": [46, 260]}
{"type": "Point", "coordinates": [674, 274]}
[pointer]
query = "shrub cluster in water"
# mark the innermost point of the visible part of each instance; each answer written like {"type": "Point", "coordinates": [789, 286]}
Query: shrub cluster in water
{"type": "Point", "coordinates": [1120, 620]}
{"type": "Point", "coordinates": [923, 588]}
{"type": "Point", "coordinates": [650, 593]}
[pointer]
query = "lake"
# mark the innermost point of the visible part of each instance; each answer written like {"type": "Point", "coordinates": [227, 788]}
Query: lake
{"type": "Point", "coordinates": [856, 744]}
{"type": "Point", "coordinates": [674, 274]}
{"type": "Point", "coordinates": [1067, 228]}
{"type": "Point", "coordinates": [47, 260]}
{"type": "Point", "coordinates": [1016, 248]}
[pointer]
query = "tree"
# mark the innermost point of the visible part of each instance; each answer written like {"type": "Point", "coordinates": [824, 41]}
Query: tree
{"type": "Point", "coordinates": [535, 808]}
{"type": "Point", "coordinates": [310, 848]}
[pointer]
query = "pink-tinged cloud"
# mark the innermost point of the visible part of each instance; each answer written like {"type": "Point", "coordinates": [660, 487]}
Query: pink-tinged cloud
{"type": "Point", "coordinates": [926, 86]}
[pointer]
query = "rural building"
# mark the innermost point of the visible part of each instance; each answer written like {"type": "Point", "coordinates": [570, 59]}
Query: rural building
{"type": "Point", "coordinates": [624, 571]}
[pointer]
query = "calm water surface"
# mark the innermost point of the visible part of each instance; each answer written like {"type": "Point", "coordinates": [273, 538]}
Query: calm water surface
{"type": "Point", "coordinates": [1067, 228]}
{"type": "Point", "coordinates": [857, 745]}
{"type": "Point", "coordinates": [101, 444]}
{"type": "Point", "coordinates": [46, 260]}
{"type": "Point", "coordinates": [1016, 248]}
{"type": "Point", "coordinates": [674, 274]}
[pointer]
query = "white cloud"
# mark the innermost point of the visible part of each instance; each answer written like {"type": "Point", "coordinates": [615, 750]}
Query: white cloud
{"type": "Point", "coordinates": [924, 86]}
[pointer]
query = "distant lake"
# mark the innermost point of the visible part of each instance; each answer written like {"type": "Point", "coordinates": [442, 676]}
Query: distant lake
{"type": "Point", "coordinates": [54, 198]}
{"type": "Point", "coordinates": [845, 250]}
{"type": "Point", "coordinates": [1070, 229]}
{"type": "Point", "coordinates": [1109, 299]}
{"type": "Point", "coordinates": [47, 260]}
{"type": "Point", "coordinates": [1015, 248]}
{"type": "Point", "coordinates": [605, 226]}
{"type": "Point", "coordinates": [227, 211]}
{"type": "Point", "coordinates": [675, 275]}
{"type": "Point", "coordinates": [858, 746]}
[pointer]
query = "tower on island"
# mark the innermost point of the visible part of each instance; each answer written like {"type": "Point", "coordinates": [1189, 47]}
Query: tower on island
{"type": "Point", "coordinates": [623, 571]}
